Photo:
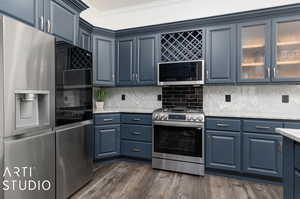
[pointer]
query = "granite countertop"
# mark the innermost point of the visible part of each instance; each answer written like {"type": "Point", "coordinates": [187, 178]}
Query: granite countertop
{"type": "Point", "coordinates": [124, 110]}
{"type": "Point", "coordinates": [293, 134]}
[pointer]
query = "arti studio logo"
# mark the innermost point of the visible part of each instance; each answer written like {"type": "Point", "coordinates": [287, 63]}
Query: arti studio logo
{"type": "Point", "coordinates": [23, 179]}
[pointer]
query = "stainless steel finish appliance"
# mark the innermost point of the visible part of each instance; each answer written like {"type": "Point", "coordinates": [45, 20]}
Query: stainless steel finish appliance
{"type": "Point", "coordinates": [178, 140]}
{"type": "Point", "coordinates": [27, 100]}
{"type": "Point", "coordinates": [180, 73]}
{"type": "Point", "coordinates": [74, 124]}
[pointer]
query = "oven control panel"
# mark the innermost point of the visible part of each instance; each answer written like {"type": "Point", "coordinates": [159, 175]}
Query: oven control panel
{"type": "Point", "coordinates": [182, 117]}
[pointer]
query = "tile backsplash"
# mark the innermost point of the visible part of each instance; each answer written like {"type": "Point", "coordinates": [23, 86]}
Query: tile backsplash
{"type": "Point", "coordinates": [182, 96]}
{"type": "Point", "coordinates": [262, 101]}
{"type": "Point", "coordinates": [135, 98]}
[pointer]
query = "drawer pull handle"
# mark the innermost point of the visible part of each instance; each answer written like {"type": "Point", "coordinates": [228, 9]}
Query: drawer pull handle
{"type": "Point", "coordinates": [136, 133]}
{"type": "Point", "coordinates": [223, 125]}
{"type": "Point", "coordinates": [136, 119]}
{"type": "Point", "coordinates": [136, 150]}
{"type": "Point", "coordinates": [107, 119]}
{"type": "Point", "coordinates": [262, 127]}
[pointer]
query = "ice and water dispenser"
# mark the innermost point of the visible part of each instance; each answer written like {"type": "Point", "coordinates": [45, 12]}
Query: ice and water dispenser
{"type": "Point", "coordinates": [32, 109]}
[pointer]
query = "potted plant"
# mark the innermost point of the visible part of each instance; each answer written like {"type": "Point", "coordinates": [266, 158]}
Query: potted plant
{"type": "Point", "coordinates": [100, 96]}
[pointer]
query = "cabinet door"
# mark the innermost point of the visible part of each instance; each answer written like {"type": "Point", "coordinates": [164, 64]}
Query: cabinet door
{"type": "Point", "coordinates": [126, 61]}
{"type": "Point", "coordinates": [84, 39]}
{"type": "Point", "coordinates": [64, 21]}
{"type": "Point", "coordinates": [221, 54]}
{"type": "Point", "coordinates": [104, 61]}
{"type": "Point", "coordinates": [107, 141]}
{"type": "Point", "coordinates": [254, 52]}
{"type": "Point", "coordinates": [263, 154]}
{"type": "Point", "coordinates": [223, 150]}
{"type": "Point", "coordinates": [29, 11]}
{"type": "Point", "coordinates": [146, 59]}
{"type": "Point", "coordinates": [286, 49]}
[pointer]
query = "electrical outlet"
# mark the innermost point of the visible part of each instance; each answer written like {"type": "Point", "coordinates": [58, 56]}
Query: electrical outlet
{"type": "Point", "coordinates": [123, 97]}
{"type": "Point", "coordinates": [227, 98]}
{"type": "Point", "coordinates": [285, 99]}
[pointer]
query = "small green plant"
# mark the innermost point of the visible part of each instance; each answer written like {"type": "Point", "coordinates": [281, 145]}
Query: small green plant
{"type": "Point", "coordinates": [100, 95]}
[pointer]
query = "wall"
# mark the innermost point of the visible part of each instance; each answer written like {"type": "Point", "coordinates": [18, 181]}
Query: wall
{"type": "Point", "coordinates": [157, 12]}
{"type": "Point", "coordinates": [253, 101]}
{"type": "Point", "coordinates": [135, 98]}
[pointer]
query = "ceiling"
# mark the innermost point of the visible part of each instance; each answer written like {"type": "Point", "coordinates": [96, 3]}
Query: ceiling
{"type": "Point", "coordinates": [108, 5]}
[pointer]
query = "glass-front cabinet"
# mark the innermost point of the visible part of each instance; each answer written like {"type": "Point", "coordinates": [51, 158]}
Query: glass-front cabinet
{"type": "Point", "coordinates": [254, 54]}
{"type": "Point", "coordinates": [286, 49]}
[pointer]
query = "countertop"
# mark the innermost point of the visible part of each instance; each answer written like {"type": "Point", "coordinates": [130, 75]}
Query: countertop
{"type": "Point", "coordinates": [269, 116]}
{"type": "Point", "coordinates": [293, 134]}
{"type": "Point", "coordinates": [124, 110]}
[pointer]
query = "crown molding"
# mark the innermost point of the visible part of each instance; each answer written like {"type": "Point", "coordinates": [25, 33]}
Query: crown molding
{"type": "Point", "coordinates": [86, 25]}
{"type": "Point", "coordinates": [77, 4]}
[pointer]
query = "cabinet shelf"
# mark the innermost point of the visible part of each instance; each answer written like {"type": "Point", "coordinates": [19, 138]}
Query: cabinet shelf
{"type": "Point", "coordinates": [253, 46]}
{"type": "Point", "coordinates": [253, 64]}
{"type": "Point", "coordinates": [288, 62]}
{"type": "Point", "coordinates": [288, 43]}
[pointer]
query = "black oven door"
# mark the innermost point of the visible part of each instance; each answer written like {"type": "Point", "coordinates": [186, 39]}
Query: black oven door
{"type": "Point", "coordinates": [182, 143]}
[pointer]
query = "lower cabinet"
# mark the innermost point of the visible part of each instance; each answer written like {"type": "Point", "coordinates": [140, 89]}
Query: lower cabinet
{"type": "Point", "coordinates": [262, 154]}
{"type": "Point", "coordinates": [136, 149]}
{"type": "Point", "coordinates": [223, 150]}
{"type": "Point", "coordinates": [107, 141]}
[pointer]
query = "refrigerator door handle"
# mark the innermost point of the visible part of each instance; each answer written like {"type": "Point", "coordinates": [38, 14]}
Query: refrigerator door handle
{"type": "Point", "coordinates": [74, 126]}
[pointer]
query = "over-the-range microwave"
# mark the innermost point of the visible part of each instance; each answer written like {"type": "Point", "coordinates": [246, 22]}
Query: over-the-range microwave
{"type": "Point", "coordinates": [181, 73]}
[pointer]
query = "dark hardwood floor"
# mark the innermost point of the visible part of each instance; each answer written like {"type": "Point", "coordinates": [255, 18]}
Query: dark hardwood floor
{"type": "Point", "coordinates": [126, 180]}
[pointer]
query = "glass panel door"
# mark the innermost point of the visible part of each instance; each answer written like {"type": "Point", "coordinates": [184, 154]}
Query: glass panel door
{"type": "Point", "coordinates": [287, 50]}
{"type": "Point", "coordinates": [253, 51]}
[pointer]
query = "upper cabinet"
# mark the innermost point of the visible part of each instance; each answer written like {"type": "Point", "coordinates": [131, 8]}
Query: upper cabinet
{"type": "Point", "coordinates": [286, 49]}
{"type": "Point", "coordinates": [64, 20]}
{"type": "Point", "coordinates": [85, 35]}
{"type": "Point", "coordinates": [29, 11]}
{"type": "Point", "coordinates": [137, 60]}
{"type": "Point", "coordinates": [221, 54]}
{"type": "Point", "coordinates": [103, 60]}
{"type": "Point", "coordinates": [254, 54]}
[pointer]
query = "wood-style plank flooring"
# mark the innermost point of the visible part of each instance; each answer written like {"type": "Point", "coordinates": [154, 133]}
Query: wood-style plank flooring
{"type": "Point", "coordinates": [126, 180]}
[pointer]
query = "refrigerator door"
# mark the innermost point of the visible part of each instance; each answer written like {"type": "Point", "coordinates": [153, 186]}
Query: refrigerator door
{"type": "Point", "coordinates": [29, 66]}
{"type": "Point", "coordinates": [31, 162]}
{"type": "Point", "coordinates": [74, 157]}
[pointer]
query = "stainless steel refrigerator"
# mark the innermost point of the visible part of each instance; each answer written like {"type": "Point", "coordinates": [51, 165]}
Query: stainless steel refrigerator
{"type": "Point", "coordinates": [27, 104]}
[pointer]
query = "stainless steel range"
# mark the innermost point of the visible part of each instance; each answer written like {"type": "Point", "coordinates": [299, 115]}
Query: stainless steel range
{"type": "Point", "coordinates": [178, 140]}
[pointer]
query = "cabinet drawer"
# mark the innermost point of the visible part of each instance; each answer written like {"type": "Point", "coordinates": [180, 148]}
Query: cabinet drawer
{"type": "Point", "coordinates": [292, 125]}
{"type": "Point", "coordinates": [102, 119]}
{"type": "Point", "coordinates": [297, 156]}
{"type": "Point", "coordinates": [136, 119]}
{"type": "Point", "coordinates": [223, 124]}
{"type": "Point", "coordinates": [136, 149]}
{"type": "Point", "coordinates": [136, 132]}
{"type": "Point", "coordinates": [297, 185]}
{"type": "Point", "coordinates": [261, 126]}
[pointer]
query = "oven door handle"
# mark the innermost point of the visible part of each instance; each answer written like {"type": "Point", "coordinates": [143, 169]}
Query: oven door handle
{"type": "Point", "coordinates": [179, 124]}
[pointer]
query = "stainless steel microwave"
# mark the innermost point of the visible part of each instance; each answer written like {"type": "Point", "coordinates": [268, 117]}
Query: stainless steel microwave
{"type": "Point", "coordinates": [181, 73]}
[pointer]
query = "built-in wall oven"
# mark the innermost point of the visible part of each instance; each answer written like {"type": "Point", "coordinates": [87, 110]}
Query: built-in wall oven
{"type": "Point", "coordinates": [181, 73]}
{"type": "Point", "coordinates": [178, 142]}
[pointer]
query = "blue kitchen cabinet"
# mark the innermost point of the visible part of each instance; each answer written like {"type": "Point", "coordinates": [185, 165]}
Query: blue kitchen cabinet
{"type": "Point", "coordinates": [137, 60]}
{"type": "Point", "coordinates": [262, 154]}
{"type": "Point", "coordinates": [221, 54]}
{"type": "Point", "coordinates": [107, 141]}
{"type": "Point", "coordinates": [85, 35]}
{"type": "Point", "coordinates": [29, 11]}
{"type": "Point", "coordinates": [285, 46]}
{"type": "Point", "coordinates": [223, 150]}
{"type": "Point", "coordinates": [103, 60]}
{"type": "Point", "coordinates": [147, 55]}
{"type": "Point", "coordinates": [254, 51]}
{"type": "Point", "coordinates": [126, 55]}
